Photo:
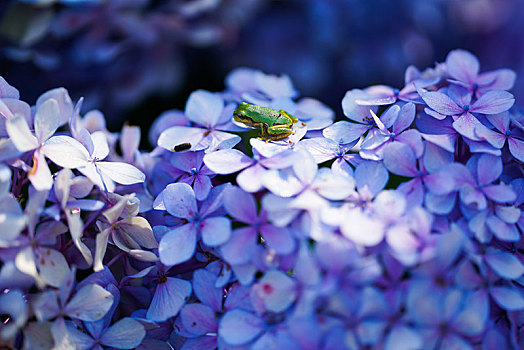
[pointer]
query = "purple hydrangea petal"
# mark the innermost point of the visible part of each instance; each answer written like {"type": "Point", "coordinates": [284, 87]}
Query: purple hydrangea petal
{"type": "Point", "coordinates": [499, 193]}
{"type": "Point", "coordinates": [503, 231]}
{"type": "Point", "coordinates": [516, 147]}
{"type": "Point", "coordinates": [251, 179]}
{"type": "Point", "coordinates": [65, 104]}
{"type": "Point", "coordinates": [227, 161]}
{"type": "Point", "coordinates": [509, 215]}
{"type": "Point", "coordinates": [66, 152]}
{"type": "Point", "coordinates": [405, 118]}
{"type": "Point", "coordinates": [170, 296]}
{"type": "Point", "coordinates": [462, 65]}
{"type": "Point", "coordinates": [333, 186]}
{"type": "Point", "coordinates": [214, 200]}
{"type": "Point", "coordinates": [202, 186]}
{"type": "Point", "coordinates": [90, 303]}
{"type": "Point", "coordinates": [362, 229]}
{"type": "Point", "coordinates": [47, 120]}
{"type": "Point", "coordinates": [179, 200]}
{"type": "Point", "coordinates": [80, 339]}
{"type": "Point", "coordinates": [474, 314]}
{"type": "Point", "coordinates": [500, 121]}
{"type": "Point", "coordinates": [239, 327]}
{"type": "Point", "coordinates": [122, 173]}
{"type": "Point", "coordinates": [277, 290]}
{"type": "Point", "coordinates": [413, 139]}
{"type": "Point", "coordinates": [20, 134]}
{"type": "Point", "coordinates": [489, 168]}
{"type": "Point", "coordinates": [372, 175]}
{"type": "Point", "coordinates": [204, 288]}
{"type": "Point", "coordinates": [278, 238]}
{"type": "Point", "coordinates": [441, 103]}
{"type": "Point", "coordinates": [240, 205]}
{"type": "Point", "coordinates": [101, 147]}
{"type": "Point", "coordinates": [179, 135]}
{"type": "Point", "coordinates": [506, 265]}
{"type": "Point", "coordinates": [352, 109]}
{"type": "Point", "coordinates": [177, 245]}
{"type": "Point", "coordinates": [493, 102]}
{"type": "Point", "coordinates": [500, 79]}
{"type": "Point", "coordinates": [495, 139]}
{"type": "Point", "coordinates": [402, 337]}
{"type": "Point", "coordinates": [283, 183]}
{"type": "Point", "coordinates": [400, 160]}
{"type": "Point", "coordinates": [472, 196]}
{"type": "Point", "coordinates": [466, 124]}
{"type": "Point", "coordinates": [217, 140]}
{"type": "Point", "coordinates": [198, 319]}
{"type": "Point", "coordinates": [40, 175]}
{"type": "Point", "coordinates": [322, 149]}
{"type": "Point", "coordinates": [510, 299]}
{"type": "Point", "coordinates": [344, 132]}
{"type": "Point", "coordinates": [8, 91]}
{"type": "Point", "coordinates": [239, 248]}
{"type": "Point", "coordinates": [204, 108]}
{"type": "Point", "coordinates": [124, 334]}
{"type": "Point", "coordinates": [215, 231]}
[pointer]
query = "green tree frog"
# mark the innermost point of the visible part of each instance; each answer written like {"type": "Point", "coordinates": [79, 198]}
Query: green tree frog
{"type": "Point", "coordinates": [273, 125]}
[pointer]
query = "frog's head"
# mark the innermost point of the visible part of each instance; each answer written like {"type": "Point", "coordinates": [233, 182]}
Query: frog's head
{"type": "Point", "coordinates": [243, 112]}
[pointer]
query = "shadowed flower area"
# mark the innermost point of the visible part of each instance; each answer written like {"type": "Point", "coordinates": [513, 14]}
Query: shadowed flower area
{"type": "Point", "coordinates": [390, 219]}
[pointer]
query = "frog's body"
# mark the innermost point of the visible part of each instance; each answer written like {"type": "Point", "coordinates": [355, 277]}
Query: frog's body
{"type": "Point", "coordinates": [273, 125]}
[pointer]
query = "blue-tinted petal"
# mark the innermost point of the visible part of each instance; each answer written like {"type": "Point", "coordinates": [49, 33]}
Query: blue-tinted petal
{"type": "Point", "coordinates": [177, 245]}
{"type": "Point", "coordinates": [441, 103]}
{"type": "Point", "coordinates": [179, 200]}
{"type": "Point", "coordinates": [205, 290]}
{"type": "Point", "coordinates": [239, 327]}
{"type": "Point", "coordinates": [493, 102]}
{"type": "Point", "coordinates": [400, 159]}
{"type": "Point", "coordinates": [204, 108]}
{"type": "Point", "coordinates": [505, 264]}
{"type": "Point", "coordinates": [127, 333]}
{"type": "Point", "coordinates": [509, 298]}
{"type": "Point", "coordinates": [462, 65]}
{"type": "Point", "coordinates": [516, 147]}
{"type": "Point", "coordinates": [227, 161]}
{"type": "Point", "coordinates": [215, 231]}
{"type": "Point", "coordinates": [240, 205]}
{"type": "Point", "coordinates": [90, 303]}
{"type": "Point", "coordinates": [344, 132]}
{"type": "Point", "coordinates": [170, 296]}
{"type": "Point", "coordinates": [198, 319]}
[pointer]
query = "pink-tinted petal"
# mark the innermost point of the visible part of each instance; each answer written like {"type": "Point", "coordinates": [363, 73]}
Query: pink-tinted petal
{"type": "Point", "coordinates": [177, 245]}
{"type": "Point", "coordinates": [170, 296]}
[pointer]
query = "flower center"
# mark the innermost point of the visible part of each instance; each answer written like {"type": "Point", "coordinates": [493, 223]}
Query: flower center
{"type": "Point", "coordinates": [396, 92]}
{"type": "Point", "coordinates": [508, 132]}
{"type": "Point", "coordinates": [193, 171]}
{"type": "Point", "coordinates": [466, 108]}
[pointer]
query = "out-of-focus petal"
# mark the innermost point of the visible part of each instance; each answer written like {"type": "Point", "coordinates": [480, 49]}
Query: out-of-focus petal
{"type": "Point", "coordinates": [239, 327]}
{"type": "Point", "coordinates": [90, 303]}
{"type": "Point", "coordinates": [215, 230]}
{"type": "Point", "coordinates": [227, 161]}
{"type": "Point", "coordinates": [127, 333]}
{"type": "Point", "coordinates": [20, 135]}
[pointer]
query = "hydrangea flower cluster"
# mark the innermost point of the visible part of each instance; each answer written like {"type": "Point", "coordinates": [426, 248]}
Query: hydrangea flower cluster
{"type": "Point", "coordinates": [398, 227]}
{"type": "Point", "coordinates": [114, 53]}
